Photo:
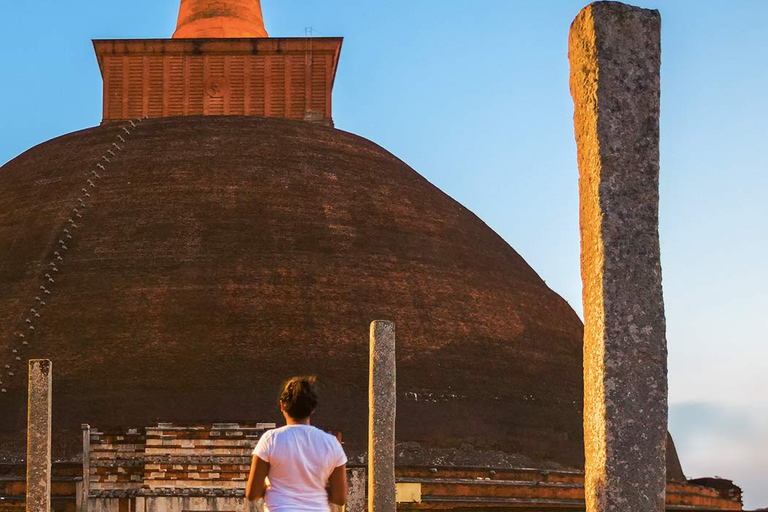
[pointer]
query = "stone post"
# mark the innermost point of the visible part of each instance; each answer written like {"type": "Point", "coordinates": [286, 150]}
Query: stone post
{"type": "Point", "coordinates": [615, 57]}
{"type": "Point", "coordinates": [86, 488]}
{"type": "Point", "coordinates": [381, 418]}
{"type": "Point", "coordinates": [356, 494]}
{"type": "Point", "coordinates": [39, 436]}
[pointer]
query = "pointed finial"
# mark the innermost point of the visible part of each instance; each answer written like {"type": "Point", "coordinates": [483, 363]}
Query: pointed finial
{"type": "Point", "coordinates": [220, 19]}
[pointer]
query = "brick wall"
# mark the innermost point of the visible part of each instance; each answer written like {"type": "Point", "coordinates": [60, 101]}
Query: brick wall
{"type": "Point", "coordinates": [168, 460]}
{"type": "Point", "coordinates": [286, 78]}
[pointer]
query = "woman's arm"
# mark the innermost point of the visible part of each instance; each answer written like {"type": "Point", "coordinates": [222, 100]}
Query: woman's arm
{"type": "Point", "coordinates": [256, 486]}
{"type": "Point", "coordinates": [337, 493]}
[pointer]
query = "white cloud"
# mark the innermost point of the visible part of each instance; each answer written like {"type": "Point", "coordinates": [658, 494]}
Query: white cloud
{"type": "Point", "coordinates": [728, 441]}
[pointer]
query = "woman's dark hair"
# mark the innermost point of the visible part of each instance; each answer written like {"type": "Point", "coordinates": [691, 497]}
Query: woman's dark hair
{"type": "Point", "coordinates": [299, 397]}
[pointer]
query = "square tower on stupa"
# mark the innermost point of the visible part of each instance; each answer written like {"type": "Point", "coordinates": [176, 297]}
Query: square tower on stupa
{"type": "Point", "coordinates": [220, 61]}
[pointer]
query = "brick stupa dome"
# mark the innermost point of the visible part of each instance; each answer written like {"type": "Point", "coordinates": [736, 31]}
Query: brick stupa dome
{"type": "Point", "coordinates": [178, 270]}
{"type": "Point", "coordinates": [217, 256]}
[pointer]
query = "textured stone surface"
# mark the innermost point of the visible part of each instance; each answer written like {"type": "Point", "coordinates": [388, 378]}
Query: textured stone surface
{"type": "Point", "coordinates": [217, 19]}
{"type": "Point", "coordinates": [615, 57]}
{"type": "Point", "coordinates": [39, 435]}
{"type": "Point", "coordinates": [85, 488]}
{"type": "Point", "coordinates": [221, 255]}
{"type": "Point", "coordinates": [382, 399]}
{"type": "Point", "coordinates": [357, 481]}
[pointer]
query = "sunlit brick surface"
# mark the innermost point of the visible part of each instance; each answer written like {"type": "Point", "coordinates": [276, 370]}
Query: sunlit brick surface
{"type": "Point", "coordinates": [286, 78]}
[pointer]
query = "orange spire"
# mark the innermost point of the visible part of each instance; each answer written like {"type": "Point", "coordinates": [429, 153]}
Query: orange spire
{"type": "Point", "coordinates": [220, 18]}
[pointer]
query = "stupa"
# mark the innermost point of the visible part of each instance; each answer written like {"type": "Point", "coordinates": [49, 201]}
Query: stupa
{"type": "Point", "coordinates": [216, 235]}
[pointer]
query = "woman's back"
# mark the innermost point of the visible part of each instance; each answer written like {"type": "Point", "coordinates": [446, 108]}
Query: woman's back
{"type": "Point", "coordinates": [301, 459]}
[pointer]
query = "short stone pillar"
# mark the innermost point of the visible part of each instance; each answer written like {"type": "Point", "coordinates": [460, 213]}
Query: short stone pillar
{"type": "Point", "coordinates": [86, 487]}
{"type": "Point", "coordinates": [356, 494]}
{"type": "Point", "coordinates": [381, 418]}
{"type": "Point", "coordinates": [615, 57]}
{"type": "Point", "coordinates": [39, 435]}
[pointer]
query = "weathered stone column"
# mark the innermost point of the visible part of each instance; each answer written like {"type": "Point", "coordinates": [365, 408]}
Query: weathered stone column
{"type": "Point", "coordinates": [381, 418]}
{"type": "Point", "coordinates": [86, 488]}
{"type": "Point", "coordinates": [356, 494]}
{"type": "Point", "coordinates": [615, 56]}
{"type": "Point", "coordinates": [39, 436]}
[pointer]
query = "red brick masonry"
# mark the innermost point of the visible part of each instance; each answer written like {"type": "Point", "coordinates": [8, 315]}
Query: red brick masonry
{"type": "Point", "coordinates": [211, 462]}
{"type": "Point", "coordinates": [290, 78]}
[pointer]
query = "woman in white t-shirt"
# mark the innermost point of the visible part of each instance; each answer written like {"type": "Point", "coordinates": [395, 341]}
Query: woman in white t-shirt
{"type": "Point", "coordinates": [292, 465]}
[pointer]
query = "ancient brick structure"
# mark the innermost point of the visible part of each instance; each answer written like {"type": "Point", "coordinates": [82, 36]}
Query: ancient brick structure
{"type": "Point", "coordinates": [288, 78]}
{"type": "Point", "coordinates": [204, 468]}
{"type": "Point", "coordinates": [169, 467]}
{"type": "Point", "coordinates": [131, 468]}
{"type": "Point", "coordinates": [66, 490]}
{"type": "Point", "coordinates": [214, 18]}
{"type": "Point", "coordinates": [219, 62]}
{"type": "Point", "coordinates": [219, 255]}
{"type": "Point", "coordinates": [177, 268]}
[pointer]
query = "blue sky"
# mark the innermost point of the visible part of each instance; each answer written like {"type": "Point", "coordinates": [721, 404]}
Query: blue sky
{"type": "Point", "coordinates": [474, 95]}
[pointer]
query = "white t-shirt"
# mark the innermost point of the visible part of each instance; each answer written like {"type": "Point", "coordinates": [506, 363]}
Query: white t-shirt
{"type": "Point", "coordinates": [301, 459]}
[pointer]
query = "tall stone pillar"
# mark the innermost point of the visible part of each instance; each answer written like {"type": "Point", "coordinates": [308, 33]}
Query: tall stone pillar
{"type": "Point", "coordinates": [381, 418]}
{"type": "Point", "coordinates": [615, 57]}
{"type": "Point", "coordinates": [39, 436]}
